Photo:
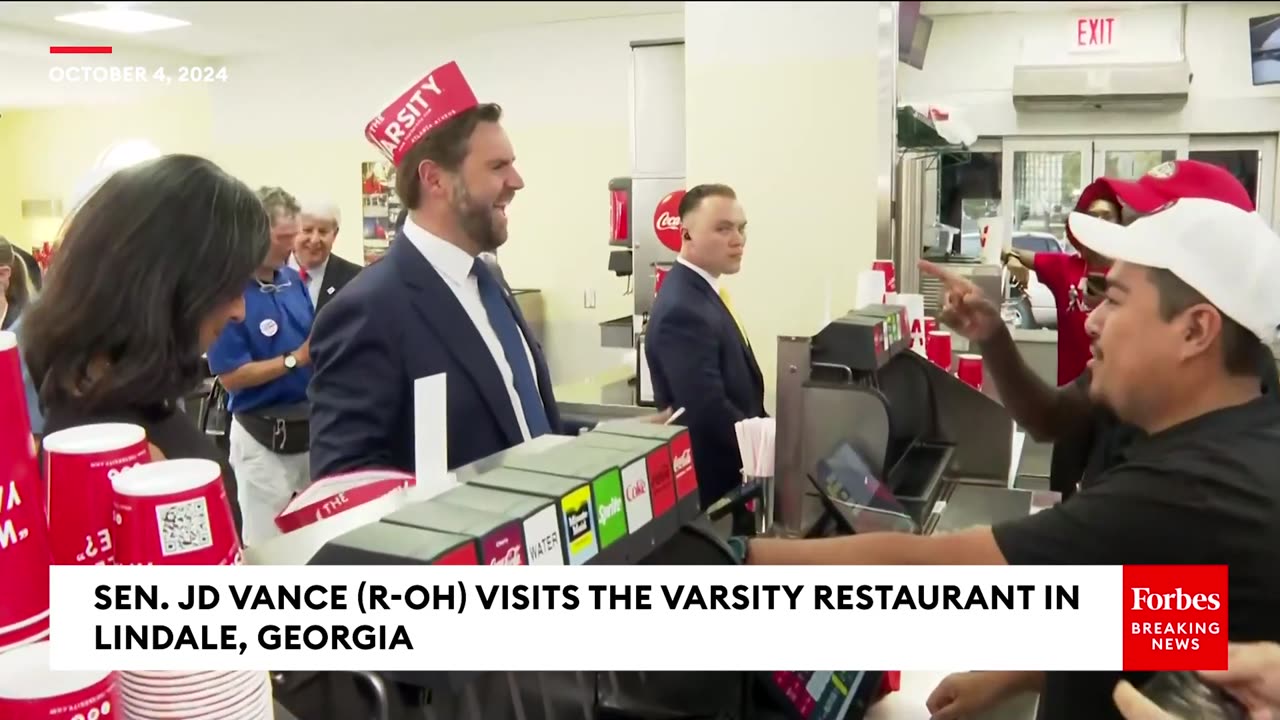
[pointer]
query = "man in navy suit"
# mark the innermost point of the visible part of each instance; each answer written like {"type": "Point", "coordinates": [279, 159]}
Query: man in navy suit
{"type": "Point", "coordinates": [430, 305]}
{"type": "Point", "coordinates": [699, 355]}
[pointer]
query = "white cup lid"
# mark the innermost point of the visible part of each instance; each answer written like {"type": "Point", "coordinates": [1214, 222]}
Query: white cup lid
{"type": "Point", "coordinates": [101, 437]}
{"type": "Point", "coordinates": [25, 675]}
{"type": "Point", "coordinates": [165, 477]}
{"type": "Point", "coordinates": [8, 340]}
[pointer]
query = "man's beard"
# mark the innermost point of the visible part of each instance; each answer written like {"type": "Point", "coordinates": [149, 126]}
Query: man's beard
{"type": "Point", "coordinates": [476, 220]}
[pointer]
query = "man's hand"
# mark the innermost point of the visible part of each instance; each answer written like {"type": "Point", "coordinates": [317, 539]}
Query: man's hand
{"type": "Point", "coordinates": [964, 695]}
{"type": "Point", "coordinates": [1253, 677]}
{"type": "Point", "coordinates": [659, 418]}
{"type": "Point", "coordinates": [1134, 705]}
{"type": "Point", "coordinates": [965, 308]}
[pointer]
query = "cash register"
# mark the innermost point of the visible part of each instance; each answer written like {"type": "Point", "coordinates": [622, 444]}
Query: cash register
{"type": "Point", "coordinates": [857, 406]}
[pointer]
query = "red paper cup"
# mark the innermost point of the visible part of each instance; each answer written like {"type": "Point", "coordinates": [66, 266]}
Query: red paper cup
{"type": "Point", "coordinates": [29, 690]}
{"type": "Point", "coordinates": [174, 512]}
{"type": "Point", "coordinates": [35, 630]}
{"type": "Point", "coordinates": [930, 325]}
{"type": "Point", "coordinates": [80, 463]}
{"type": "Point", "coordinates": [969, 369]}
{"type": "Point", "coordinates": [886, 267]}
{"type": "Point", "coordinates": [937, 347]}
{"type": "Point", "coordinates": [24, 542]}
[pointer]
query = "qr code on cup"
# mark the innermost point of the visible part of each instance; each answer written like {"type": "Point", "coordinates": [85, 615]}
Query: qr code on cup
{"type": "Point", "coordinates": [184, 527]}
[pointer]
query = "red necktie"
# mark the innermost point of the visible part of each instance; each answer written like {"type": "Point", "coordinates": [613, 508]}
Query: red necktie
{"type": "Point", "coordinates": [302, 273]}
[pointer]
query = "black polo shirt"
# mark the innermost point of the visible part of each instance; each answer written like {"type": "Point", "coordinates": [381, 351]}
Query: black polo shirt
{"type": "Point", "coordinates": [1080, 459]}
{"type": "Point", "coordinates": [1204, 492]}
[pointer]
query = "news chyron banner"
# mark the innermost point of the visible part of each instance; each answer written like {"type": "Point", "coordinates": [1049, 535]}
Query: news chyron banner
{"type": "Point", "coordinates": [631, 618]}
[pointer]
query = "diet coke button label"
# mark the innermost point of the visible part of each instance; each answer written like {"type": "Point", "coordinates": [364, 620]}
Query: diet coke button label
{"type": "Point", "coordinates": [666, 220]}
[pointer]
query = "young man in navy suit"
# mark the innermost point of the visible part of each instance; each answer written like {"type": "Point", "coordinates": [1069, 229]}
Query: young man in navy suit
{"type": "Point", "coordinates": [430, 305]}
{"type": "Point", "coordinates": [700, 357]}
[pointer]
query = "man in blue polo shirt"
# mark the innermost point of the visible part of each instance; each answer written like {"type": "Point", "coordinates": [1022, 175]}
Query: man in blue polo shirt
{"type": "Point", "coordinates": [264, 362]}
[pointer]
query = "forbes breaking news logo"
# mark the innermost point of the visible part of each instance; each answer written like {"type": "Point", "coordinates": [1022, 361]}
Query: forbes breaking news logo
{"type": "Point", "coordinates": [1175, 617]}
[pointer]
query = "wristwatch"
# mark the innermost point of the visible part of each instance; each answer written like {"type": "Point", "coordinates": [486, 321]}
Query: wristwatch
{"type": "Point", "coordinates": [290, 361]}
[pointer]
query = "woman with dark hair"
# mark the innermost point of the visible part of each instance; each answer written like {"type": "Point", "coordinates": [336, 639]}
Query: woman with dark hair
{"type": "Point", "coordinates": [149, 270]}
{"type": "Point", "coordinates": [15, 288]}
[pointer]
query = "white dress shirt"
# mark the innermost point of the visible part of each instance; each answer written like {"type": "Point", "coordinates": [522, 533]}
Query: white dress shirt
{"type": "Point", "coordinates": [315, 278]}
{"type": "Point", "coordinates": [715, 284]}
{"type": "Point", "coordinates": [454, 265]}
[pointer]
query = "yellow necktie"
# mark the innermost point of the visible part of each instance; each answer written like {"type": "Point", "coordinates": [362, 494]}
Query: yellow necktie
{"type": "Point", "coordinates": [724, 298]}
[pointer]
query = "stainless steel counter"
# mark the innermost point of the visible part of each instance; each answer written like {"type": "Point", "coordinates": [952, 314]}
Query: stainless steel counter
{"type": "Point", "coordinates": [969, 506]}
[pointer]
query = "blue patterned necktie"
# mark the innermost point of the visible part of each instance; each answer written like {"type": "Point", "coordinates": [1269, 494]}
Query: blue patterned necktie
{"type": "Point", "coordinates": [503, 321]}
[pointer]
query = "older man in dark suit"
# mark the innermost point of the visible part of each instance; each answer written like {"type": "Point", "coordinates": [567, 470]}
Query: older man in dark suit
{"type": "Point", "coordinates": [431, 305]}
{"type": "Point", "coordinates": [321, 271]}
{"type": "Point", "coordinates": [699, 355]}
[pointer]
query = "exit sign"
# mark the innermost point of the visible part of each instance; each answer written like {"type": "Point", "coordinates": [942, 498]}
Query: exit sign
{"type": "Point", "coordinates": [1094, 33]}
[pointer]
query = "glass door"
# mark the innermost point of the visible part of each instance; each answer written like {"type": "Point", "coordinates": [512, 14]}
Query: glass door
{"type": "Point", "coordinates": [1042, 179]}
{"type": "Point", "coordinates": [1251, 158]}
{"type": "Point", "coordinates": [1129, 158]}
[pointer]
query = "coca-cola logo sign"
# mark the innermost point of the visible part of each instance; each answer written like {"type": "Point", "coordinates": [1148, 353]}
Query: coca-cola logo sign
{"type": "Point", "coordinates": [682, 461]}
{"type": "Point", "coordinates": [666, 220]}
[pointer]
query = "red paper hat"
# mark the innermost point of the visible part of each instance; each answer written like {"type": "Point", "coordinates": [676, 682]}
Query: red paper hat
{"type": "Point", "coordinates": [427, 104]}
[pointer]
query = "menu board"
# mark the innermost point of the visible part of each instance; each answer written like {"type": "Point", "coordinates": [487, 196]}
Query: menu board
{"type": "Point", "coordinates": [379, 208]}
{"type": "Point", "coordinates": [819, 695]}
{"type": "Point", "coordinates": [542, 538]}
{"type": "Point", "coordinates": [611, 518]}
{"type": "Point", "coordinates": [580, 525]}
{"type": "Point", "coordinates": [635, 488]}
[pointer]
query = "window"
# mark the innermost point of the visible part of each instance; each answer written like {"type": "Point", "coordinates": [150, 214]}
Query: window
{"type": "Point", "coordinates": [1243, 164]}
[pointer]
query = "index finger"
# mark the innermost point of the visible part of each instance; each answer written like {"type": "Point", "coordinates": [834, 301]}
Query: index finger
{"type": "Point", "coordinates": [948, 278]}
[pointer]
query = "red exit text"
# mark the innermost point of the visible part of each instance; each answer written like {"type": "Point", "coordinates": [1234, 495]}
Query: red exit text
{"type": "Point", "coordinates": [1095, 32]}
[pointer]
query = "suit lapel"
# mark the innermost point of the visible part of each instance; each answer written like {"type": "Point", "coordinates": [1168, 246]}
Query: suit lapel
{"type": "Point", "coordinates": [439, 307]}
{"type": "Point", "coordinates": [700, 285]}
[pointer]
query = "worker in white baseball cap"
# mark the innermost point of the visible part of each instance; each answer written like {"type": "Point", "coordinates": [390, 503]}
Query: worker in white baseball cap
{"type": "Point", "coordinates": [1191, 299]}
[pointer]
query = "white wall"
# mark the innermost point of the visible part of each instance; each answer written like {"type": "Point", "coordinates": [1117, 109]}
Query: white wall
{"type": "Point", "coordinates": [971, 58]}
{"type": "Point", "coordinates": [564, 89]}
{"type": "Point", "coordinates": [780, 103]}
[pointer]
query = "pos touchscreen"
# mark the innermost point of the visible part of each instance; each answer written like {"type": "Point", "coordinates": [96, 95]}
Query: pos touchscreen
{"type": "Point", "coordinates": [839, 695]}
{"type": "Point", "coordinates": [851, 492]}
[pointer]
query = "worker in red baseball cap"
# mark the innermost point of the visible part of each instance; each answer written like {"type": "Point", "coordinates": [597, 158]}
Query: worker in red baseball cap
{"type": "Point", "coordinates": [1076, 281]}
{"type": "Point", "coordinates": [1086, 438]}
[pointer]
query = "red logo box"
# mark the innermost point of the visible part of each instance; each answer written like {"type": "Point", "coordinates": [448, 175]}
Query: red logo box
{"type": "Point", "coordinates": [1175, 617]}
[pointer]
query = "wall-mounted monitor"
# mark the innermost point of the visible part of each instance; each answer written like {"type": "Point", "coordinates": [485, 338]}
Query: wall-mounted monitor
{"type": "Point", "coordinates": [914, 30]}
{"type": "Point", "coordinates": [1264, 49]}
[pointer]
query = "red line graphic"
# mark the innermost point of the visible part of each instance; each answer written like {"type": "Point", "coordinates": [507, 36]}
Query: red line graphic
{"type": "Point", "coordinates": [80, 50]}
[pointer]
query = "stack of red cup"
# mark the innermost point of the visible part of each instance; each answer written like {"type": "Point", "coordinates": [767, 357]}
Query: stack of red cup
{"type": "Point", "coordinates": [890, 280]}
{"type": "Point", "coordinates": [969, 370]}
{"type": "Point", "coordinates": [937, 347]}
{"type": "Point", "coordinates": [174, 512]}
{"type": "Point", "coordinates": [79, 466]}
{"type": "Point", "coordinates": [29, 690]}
{"type": "Point", "coordinates": [178, 694]}
{"type": "Point", "coordinates": [24, 544]}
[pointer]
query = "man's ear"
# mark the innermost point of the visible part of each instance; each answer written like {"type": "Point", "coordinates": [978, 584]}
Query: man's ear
{"type": "Point", "coordinates": [1201, 327]}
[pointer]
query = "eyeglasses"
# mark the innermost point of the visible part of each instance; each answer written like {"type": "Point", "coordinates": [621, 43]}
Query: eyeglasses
{"type": "Point", "coordinates": [272, 287]}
